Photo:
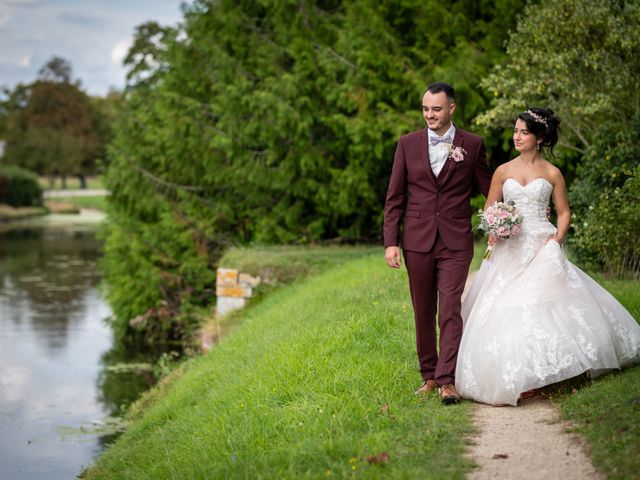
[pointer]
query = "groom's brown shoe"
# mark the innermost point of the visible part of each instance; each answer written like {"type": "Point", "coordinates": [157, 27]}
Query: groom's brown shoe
{"type": "Point", "coordinates": [448, 394]}
{"type": "Point", "coordinates": [427, 386]}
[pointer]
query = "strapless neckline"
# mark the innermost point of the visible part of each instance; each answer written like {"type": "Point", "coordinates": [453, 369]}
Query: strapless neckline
{"type": "Point", "coordinates": [529, 183]}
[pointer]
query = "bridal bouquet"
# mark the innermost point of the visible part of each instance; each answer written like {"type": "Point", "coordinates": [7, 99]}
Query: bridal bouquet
{"type": "Point", "coordinates": [499, 221]}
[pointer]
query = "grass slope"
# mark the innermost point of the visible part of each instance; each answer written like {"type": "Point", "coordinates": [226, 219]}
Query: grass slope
{"type": "Point", "coordinates": [318, 377]}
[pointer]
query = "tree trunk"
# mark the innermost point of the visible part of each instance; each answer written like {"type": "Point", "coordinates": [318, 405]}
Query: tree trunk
{"type": "Point", "coordinates": [83, 182]}
{"type": "Point", "coordinates": [64, 181]}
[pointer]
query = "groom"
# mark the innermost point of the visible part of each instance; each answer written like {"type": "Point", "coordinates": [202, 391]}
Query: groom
{"type": "Point", "coordinates": [429, 191]}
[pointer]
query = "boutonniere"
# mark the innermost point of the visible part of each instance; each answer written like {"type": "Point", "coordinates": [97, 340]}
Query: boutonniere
{"type": "Point", "coordinates": [456, 153]}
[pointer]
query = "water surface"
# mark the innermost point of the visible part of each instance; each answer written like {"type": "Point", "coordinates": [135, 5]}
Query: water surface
{"type": "Point", "coordinates": [54, 349]}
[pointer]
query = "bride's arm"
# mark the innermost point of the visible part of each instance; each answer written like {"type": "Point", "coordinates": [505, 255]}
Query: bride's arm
{"type": "Point", "coordinates": [495, 190]}
{"type": "Point", "coordinates": [562, 206]}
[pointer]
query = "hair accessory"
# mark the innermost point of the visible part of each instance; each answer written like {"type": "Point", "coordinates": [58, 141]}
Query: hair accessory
{"type": "Point", "coordinates": [537, 117]}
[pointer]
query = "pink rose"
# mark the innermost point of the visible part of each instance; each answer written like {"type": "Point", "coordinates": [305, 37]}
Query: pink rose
{"type": "Point", "coordinates": [515, 230]}
{"type": "Point", "coordinates": [457, 156]}
{"type": "Point", "coordinates": [503, 214]}
{"type": "Point", "coordinates": [456, 153]}
{"type": "Point", "coordinates": [503, 231]}
{"type": "Point", "coordinates": [490, 218]}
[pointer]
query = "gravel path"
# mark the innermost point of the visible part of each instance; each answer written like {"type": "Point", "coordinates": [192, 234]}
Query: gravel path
{"type": "Point", "coordinates": [527, 441]}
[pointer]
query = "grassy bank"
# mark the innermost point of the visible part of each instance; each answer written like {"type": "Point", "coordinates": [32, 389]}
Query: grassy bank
{"type": "Point", "coordinates": [317, 378]}
{"type": "Point", "coordinates": [95, 203]}
{"type": "Point", "coordinates": [7, 212]}
{"type": "Point", "coordinates": [606, 411]}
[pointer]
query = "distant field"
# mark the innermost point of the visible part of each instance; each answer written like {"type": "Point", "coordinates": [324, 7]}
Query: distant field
{"type": "Point", "coordinates": [73, 183]}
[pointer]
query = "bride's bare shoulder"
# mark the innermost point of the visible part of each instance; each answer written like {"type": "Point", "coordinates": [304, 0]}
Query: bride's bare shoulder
{"type": "Point", "coordinates": [553, 173]}
{"type": "Point", "coordinates": [505, 170]}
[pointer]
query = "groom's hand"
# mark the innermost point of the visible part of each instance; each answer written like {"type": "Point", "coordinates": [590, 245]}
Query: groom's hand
{"type": "Point", "coordinates": [392, 256]}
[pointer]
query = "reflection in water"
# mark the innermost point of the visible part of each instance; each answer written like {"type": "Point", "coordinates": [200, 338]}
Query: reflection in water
{"type": "Point", "coordinates": [49, 270]}
{"type": "Point", "coordinates": [54, 350]}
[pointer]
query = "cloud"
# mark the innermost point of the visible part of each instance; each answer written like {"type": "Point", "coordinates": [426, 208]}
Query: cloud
{"type": "Point", "coordinates": [23, 3]}
{"type": "Point", "coordinates": [119, 51]}
{"type": "Point", "coordinates": [82, 20]}
{"type": "Point", "coordinates": [4, 14]}
{"type": "Point", "coordinates": [93, 35]}
{"type": "Point", "coordinates": [25, 61]}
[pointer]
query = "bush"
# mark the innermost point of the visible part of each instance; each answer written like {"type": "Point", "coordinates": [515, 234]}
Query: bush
{"type": "Point", "coordinates": [19, 187]}
{"type": "Point", "coordinates": [610, 233]}
{"type": "Point", "coordinates": [603, 197]}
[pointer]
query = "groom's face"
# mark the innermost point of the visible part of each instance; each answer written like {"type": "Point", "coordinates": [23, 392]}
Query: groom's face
{"type": "Point", "coordinates": [437, 111]}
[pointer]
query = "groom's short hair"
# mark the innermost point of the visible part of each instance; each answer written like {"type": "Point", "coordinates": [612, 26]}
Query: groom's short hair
{"type": "Point", "coordinates": [438, 87]}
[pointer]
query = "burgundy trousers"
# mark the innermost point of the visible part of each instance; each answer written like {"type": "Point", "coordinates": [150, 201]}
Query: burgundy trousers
{"type": "Point", "coordinates": [436, 281]}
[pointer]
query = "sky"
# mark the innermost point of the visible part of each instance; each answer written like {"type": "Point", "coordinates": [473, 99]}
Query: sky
{"type": "Point", "coordinates": [93, 35]}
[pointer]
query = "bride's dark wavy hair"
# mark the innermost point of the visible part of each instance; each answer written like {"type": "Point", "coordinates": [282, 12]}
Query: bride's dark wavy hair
{"type": "Point", "coordinates": [543, 123]}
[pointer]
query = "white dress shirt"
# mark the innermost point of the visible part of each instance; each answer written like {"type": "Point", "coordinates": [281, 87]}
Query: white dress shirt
{"type": "Point", "coordinates": [438, 153]}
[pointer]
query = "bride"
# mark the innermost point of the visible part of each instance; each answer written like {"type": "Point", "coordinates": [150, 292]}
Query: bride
{"type": "Point", "coordinates": [531, 317]}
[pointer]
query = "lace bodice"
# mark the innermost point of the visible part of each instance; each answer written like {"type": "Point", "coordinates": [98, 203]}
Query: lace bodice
{"type": "Point", "coordinates": [531, 199]}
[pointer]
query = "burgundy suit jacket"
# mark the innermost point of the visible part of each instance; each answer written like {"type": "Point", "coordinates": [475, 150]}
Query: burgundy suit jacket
{"type": "Point", "coordinates": [424, 204]}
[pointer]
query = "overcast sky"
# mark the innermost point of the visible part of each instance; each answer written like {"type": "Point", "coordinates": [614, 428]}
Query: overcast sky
{"type": "Point", "coordinates": [94, 35]}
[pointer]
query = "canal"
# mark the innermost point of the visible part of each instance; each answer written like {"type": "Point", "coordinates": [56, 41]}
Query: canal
{"type": "Point", "coordinates": [62, 382]}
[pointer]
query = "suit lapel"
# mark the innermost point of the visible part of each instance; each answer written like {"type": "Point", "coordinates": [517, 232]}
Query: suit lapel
{"type": "Point", "coordinates": [449, 164]}
{"type": "Point", "coordinates": [424, 148]}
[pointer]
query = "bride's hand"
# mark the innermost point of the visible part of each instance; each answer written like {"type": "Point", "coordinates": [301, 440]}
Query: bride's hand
{"type": "Point", "coordinates": [555, 238]}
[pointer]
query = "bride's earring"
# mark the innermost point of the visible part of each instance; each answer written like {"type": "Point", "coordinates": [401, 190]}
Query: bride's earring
{"type": "Point", "coordinates": [539, 146]}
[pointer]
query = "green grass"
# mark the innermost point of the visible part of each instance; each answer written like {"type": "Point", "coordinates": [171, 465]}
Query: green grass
{"type": "Point", "coordinates": [626, 291]}
{"type": "Point", "coordinates": [96, 203]}
{"type": "Point", "coordinates": [280, 264]}
{"type": "Point", "coordinates": [479, 247]}
{"type": "Point", "coordinates": [607, 410]}
{"type": "Point", "coordinates": [73, 183]}
{"type": "Point", "coordinates": [316, 378]}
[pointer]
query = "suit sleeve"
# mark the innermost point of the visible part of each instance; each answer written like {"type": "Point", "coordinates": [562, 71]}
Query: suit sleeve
{"type": "Point", "coordinates": [482, 172]}
{"type": "Point", "coordinates": [395, 203]}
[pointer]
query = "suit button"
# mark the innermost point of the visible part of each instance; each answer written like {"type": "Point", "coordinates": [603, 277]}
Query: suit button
{"type": "Point", "coordinates": [437, 214]}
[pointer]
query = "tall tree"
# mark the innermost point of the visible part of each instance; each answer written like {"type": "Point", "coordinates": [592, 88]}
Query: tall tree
{"type": "Point", "coordinates": [273, 122]}
{"type": "Point", "coordinates": [56, 70]}
{"type": "Point", "coordinates": [49, 125]}
{"type": "Point", "coordinates": [580, 57]}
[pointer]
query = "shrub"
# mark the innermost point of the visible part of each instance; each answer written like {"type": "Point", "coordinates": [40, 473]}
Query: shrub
{"type": "Point", "coordinates": [610, 232]}
{"type": "Point", "coordinates": [602, 198]}
{"type": "Point", "coordinates": [19, 187]}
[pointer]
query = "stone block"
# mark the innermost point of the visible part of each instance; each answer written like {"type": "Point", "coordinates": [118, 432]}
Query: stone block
{"type": "Point", "coordinates": [226, 277]}
{"type": "Point", "coordinates": [235, 291]}
{"type": "Point", "coordinates": [225, 305]}
{"type": "Point", "coordinates": [247, 280]}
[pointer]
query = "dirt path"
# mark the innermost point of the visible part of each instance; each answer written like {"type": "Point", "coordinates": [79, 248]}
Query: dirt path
{"type": "Point", "coordinates": [527, 441]}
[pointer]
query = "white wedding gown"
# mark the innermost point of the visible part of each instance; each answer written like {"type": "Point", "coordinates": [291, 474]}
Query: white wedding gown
{"type": "Point", "coordinates": [532, 318]}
